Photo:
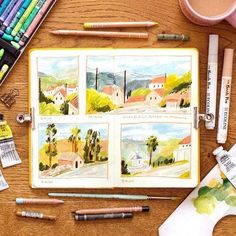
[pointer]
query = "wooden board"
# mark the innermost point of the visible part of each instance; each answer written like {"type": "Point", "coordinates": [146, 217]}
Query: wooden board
{"type": "Point", "coordinates": [70, 15]}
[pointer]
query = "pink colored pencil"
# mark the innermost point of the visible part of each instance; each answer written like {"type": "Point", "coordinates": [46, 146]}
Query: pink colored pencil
{"type": "Point", "coordinates": [106, 34]}
{"type": "Point", "coordinates": [35, 22]}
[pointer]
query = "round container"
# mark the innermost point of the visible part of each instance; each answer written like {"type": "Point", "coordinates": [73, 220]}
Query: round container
{"type": "Point", "coordinates": [195, 17]}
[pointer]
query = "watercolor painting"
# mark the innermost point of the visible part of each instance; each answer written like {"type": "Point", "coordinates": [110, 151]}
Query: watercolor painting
{"type": "Point", "coordinates": [156, 149]}
{"type": "Point", "coordinates": [73, 150]}
{"type": "Point", "coordinates": [134, 84]}
{"type": "Point", "coordinates": [58, 85]}
{"type": "Point", "coordinates": [211, 195]}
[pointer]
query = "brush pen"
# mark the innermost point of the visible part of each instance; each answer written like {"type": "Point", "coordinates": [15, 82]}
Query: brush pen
{"type": "Point", "coordinates": [28, 201]}
{"type": "Point", "coordinates": [105, 34]}
{"type": "Point", "coordinates": [35, 215]}
{"type": "Point", "coordinates": [103, 216]}
{"type": "Point", "coordinates": [111, 196]}
{"type": "Point", "coordinates": [112, 210]}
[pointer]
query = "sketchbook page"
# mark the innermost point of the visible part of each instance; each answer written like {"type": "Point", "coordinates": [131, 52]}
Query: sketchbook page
{"type": "Point", "coordinates": [148, 92]}
{"type": "Point", "coordinates": [69, 150]}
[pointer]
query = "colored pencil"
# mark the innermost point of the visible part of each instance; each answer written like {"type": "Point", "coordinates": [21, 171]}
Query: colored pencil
{"type": "Point", "coordinates": [101, 25]}
{"type": "Point", "coordinates": [111, 196]}
{"type": "Point", "coordinates": [112, 210]}
{"type": "Point", "coordinates": [37, 201]}
{"type": "Point", "coordinates": [105, 34]}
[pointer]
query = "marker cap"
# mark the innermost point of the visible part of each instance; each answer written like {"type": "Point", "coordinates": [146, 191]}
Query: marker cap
{"type": "Point", "coordinates": [228, 62]}
{"type": "Point", "coordinates": [213, 44]}
{"type": "Point", "coordinates": [7, 37]}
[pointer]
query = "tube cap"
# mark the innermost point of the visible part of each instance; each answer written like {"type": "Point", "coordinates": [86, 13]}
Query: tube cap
{"type": "Point", "coordinates": [218, 150]}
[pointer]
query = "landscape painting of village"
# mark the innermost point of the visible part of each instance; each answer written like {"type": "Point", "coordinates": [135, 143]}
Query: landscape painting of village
{"type": "Point", "coordinates": [134, 84]}
{"type": "Point", "coordinates": [58, 85]}
{"type": "Point", "coordinates": [156, 149]}
{"type": "Point", "coordinates": [73, 150]}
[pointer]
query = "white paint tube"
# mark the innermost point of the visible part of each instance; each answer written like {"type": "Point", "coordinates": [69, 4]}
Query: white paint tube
{"type": "Point", "coordinates": [225, 96]}
{"type": "Point", "coordinates": [212, 75]}
{"type": "Point", "coordinates": [227, 164]}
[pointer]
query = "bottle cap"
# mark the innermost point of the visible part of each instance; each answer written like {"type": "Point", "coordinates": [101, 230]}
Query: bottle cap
{"type": "Point", "coordinates": [213, 44]}
{"type": "Point", "coordinates": [218, 150]}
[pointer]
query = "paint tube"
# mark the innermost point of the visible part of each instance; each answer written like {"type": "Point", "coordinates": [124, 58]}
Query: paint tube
{"type": "Point", "coordinates": [3, 183]}
{"type": "Point", "coordinates": [227, 164]}
{"type": "Point", "coordinates": [8, 154]}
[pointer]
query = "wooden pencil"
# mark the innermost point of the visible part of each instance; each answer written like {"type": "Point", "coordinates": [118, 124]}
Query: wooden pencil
{"type": "Point", "coordinates": [105, 34]}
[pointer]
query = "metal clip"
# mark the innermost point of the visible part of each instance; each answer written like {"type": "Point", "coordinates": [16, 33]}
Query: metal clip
{"type": "Point", "coordinates": [201, 117]}
{"type": "Point", "coordinates": [22, 118]}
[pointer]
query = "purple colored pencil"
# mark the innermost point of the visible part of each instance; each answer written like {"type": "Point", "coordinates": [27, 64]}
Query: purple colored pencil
{"type": "Point", "coordinates": [12, 13]}
{"type": "Point", "coordinates": [35, 22]}
{"type": "Point", "coordinates": [7, 11]}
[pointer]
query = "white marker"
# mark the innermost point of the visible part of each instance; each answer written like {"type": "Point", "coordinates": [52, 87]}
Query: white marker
{"type": "Point", "coordinates": [225, 96]}
{"type": "Point", "coordinates": [212, 74]}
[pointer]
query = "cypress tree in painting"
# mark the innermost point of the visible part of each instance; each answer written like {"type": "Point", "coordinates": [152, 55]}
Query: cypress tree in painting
{"type": "Point", "coordinates": [51, 150]}
{"type": "Point", "coordinates": [151, 144]}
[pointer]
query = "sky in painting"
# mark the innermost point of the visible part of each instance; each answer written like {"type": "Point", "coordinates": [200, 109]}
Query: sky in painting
{"type": "Point", "coordinates": [59, 67]}
{"type": "Point", "coordinates": [141, 66]}
{"type": "Point", "coordinates": [64, 131]}
{"type": "Point", "coordinates": [162, 131]}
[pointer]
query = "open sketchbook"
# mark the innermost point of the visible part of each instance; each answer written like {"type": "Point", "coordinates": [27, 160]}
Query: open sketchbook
{"type": "Point", "coordinates": [114, 118]}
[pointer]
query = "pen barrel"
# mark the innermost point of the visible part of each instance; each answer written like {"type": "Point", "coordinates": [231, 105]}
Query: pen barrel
{"type": "Point", "coordinates": [35, 215]}
{"type": "Point", "coordinates": [103, 216]}
{"type": "Point", "coordinates": [113, 210]}
{"type": "Point", "coordinates": [103, 34]}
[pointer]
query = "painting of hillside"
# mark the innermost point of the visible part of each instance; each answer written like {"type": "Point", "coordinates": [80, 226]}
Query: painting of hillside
{"type": "Point", "coordinates": [133, 84]}
{"type": "Point", "coordinates": [156, 149]}
{"type": "Point", "coordinates": [58, 86]}
{"type": "Point", "coordinates": [73, 150]}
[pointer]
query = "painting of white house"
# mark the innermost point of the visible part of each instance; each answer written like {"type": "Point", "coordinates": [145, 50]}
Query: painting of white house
{"type": "Point", "coordinates": [134, 84]}
{"type": "Point", "coordinates": [156, 149]}
{"type": "Point", "coordinates": [73, 150]}
{"type": "Point", "coordinates": [58, 85]}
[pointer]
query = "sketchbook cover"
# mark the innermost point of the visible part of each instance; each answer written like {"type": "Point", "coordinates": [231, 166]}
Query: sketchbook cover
{"type": "Point", "coordinates": [114, 118]}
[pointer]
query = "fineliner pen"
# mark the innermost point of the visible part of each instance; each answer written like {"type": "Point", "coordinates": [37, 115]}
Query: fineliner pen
{"type": "Point", "coordinates": [225, 96]}
{"type": "Point", "coordinates": [212, 73]}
